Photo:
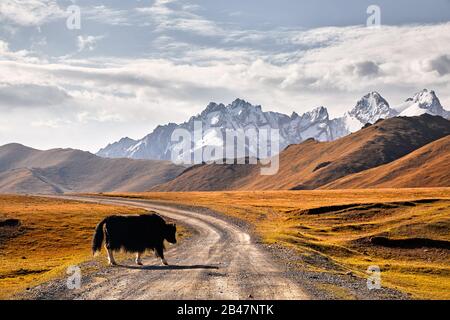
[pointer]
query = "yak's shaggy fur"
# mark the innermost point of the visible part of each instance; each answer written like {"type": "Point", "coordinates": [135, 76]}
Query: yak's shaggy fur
{"type": "Point", "coordinates": [134, 234]}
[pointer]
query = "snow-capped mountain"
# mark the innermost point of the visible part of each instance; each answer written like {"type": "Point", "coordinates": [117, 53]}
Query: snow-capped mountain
{"type": "Point", "coordinates": [218, 119]}
{"type": "Point", "coordinates": [369, 109]}
{"type": "Point", "coordinates": [118, 149]}
{"type": "Point", "coordinates": [422, 102]}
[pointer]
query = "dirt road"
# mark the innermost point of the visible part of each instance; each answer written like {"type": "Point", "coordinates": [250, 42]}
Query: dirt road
{"type": "Point", "coordinates": [219, 261]}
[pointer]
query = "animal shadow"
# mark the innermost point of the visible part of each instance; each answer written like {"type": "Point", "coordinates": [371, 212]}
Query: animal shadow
{"type": "Point", "coordinates": [171, 267]}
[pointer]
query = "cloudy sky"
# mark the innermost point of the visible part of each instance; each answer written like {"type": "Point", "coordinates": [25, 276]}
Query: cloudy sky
{"type": "Point", "coordinates": [135, 64]}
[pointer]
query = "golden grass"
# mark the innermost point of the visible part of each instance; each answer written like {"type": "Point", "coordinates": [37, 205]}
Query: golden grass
{"type": "Point", "coordinates": [343, 236]}
{"type": "Point", "coordinates": [54, 234]}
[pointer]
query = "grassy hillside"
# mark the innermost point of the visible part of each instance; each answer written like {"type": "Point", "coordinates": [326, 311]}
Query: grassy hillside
{"type": "Point", "coordinates": [331, 231]}
{"type": "Point", "coordinates": [425, 167]}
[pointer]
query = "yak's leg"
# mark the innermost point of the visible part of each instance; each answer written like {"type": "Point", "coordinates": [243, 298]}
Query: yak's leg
{"type": "Point", "coordinates": [160, 253]}
{"type": "Point", "coordinates": [138, 258]}
{"type": "Point", "coordinates": [111, 260]}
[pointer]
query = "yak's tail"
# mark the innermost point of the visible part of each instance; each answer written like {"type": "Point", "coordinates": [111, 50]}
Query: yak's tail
{"type": "Point", "coordinates": [98, 237]}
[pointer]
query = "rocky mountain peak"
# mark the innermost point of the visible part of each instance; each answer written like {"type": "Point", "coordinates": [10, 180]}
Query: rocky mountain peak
{"type": "Point", "coordinates": [371, 108]}
{"type": "Point", "coordinates": [425, 101]}
{"type": "Point", "coordinates": [240, 103]}
{"type": "Point", "coordinates": [317, 114]}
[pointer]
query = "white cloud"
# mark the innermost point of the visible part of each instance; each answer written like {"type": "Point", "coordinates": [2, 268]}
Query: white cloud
{"type": "Point", "coordinates": [440, 64]}
{"type": "Point", "coordinates": [328, 66]}
{"type": "Point", "coordinates": [30, 96]}
{"type": "Point", "coordinates": [4, 47]}
{"type": "Point", "coordinates": [20, 55]}
{"type": "Point", "coordinates": [30, 12]}
{"type": "Point", "coordinates": [179, 17]}
{"type": "Point", "coordinates": [87, 42]}
{"type": "Point", "coordinates": [107, 15]}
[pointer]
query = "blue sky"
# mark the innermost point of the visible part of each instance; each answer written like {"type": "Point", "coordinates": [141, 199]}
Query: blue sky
{"type": "Point", "coordinates": [136, 64]}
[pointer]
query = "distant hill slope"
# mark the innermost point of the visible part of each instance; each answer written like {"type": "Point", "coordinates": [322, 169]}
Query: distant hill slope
{"type": "Point", "coordinates": [25, 181]}
{"type": "Point", "coordinates": [212, 177]}
{"type": "Point", "coordinates": [27, 170]}
{"type": "Point", "coordinates": [428, 166]}
{"type": "Point", "coordinates": [312, 164]}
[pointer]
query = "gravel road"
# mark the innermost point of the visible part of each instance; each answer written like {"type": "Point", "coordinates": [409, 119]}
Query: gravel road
{"type": "Point", "coordinates": [219, 261]}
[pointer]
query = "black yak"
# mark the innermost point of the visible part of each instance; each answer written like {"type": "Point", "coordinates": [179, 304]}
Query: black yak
{"type": "Point", "coordinates": [135, 234]}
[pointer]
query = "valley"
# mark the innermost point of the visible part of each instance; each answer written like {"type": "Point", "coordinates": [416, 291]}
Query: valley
{"type": "Point", "coordinates": [326, 238]}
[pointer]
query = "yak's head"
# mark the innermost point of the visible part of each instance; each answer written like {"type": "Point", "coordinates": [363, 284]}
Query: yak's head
{"type": "Point", "coordinates": [170, 233]}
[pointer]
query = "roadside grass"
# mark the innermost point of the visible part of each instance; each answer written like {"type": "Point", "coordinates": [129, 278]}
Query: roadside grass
{"type": "Point", "coordinates": [331, 230]}
{"type": "Point", "coordinates": [53, 234]}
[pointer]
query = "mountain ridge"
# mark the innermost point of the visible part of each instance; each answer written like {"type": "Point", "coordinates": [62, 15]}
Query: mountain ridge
{"type": "Point", "coordinates": [312, 164]}
{"type": "Point", "coordinates": [28, 170]}
{"type": "Point", "coordinates": [293, 129]}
